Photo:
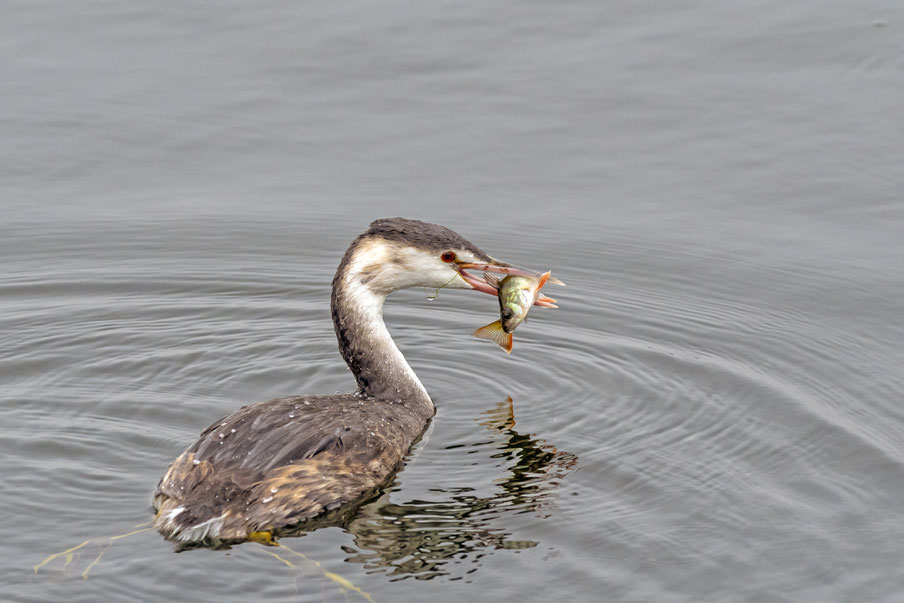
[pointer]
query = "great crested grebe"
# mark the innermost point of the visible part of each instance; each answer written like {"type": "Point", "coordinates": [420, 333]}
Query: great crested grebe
{"type": "Point", "coordinates": [290, 462]}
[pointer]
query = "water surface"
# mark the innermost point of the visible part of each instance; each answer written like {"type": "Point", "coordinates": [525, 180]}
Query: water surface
{"type": "Point", "coordinates": [712, 414]}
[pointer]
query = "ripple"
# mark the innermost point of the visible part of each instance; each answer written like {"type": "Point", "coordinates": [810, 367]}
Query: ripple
{"type": "Point", "coordinates": [666, 402]}
{"type": "Point", "coordinates": [452, 524]}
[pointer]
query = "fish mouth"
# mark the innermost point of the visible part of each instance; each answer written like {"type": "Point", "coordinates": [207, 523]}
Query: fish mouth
{"type": "Point", "coordinates": [495, 266]}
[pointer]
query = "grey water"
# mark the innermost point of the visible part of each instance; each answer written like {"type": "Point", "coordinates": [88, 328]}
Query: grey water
{"type": "Point", "coordinates": [713, 413]}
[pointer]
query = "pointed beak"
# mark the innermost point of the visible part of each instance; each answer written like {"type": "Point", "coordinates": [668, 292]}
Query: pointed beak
{"type": "Point", "coordinates": [495, 266]}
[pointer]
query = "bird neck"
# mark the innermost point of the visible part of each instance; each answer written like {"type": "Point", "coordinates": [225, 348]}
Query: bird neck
{"type": "Point", "coordinates": [366, 345]}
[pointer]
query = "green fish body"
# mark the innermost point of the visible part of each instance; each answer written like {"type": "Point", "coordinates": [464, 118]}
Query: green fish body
{"type": "Point", "coordinates": [516, 296]}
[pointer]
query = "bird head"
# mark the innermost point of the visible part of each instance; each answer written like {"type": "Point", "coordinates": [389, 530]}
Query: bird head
{"type": "Point", "coordinates": [397, 253]}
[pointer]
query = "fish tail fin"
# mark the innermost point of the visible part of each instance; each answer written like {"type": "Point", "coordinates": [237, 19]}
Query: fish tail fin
{"type": "Point", "coordinates": [495, 333]}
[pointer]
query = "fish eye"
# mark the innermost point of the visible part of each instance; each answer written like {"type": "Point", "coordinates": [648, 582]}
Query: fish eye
{"type": "Point", "coordinates": [507, 313]}
{"type": "Point", "coordinates": [448, 256]}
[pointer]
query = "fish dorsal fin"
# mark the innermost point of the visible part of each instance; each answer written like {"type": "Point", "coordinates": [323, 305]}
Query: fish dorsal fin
{"type": "Point", "coordinates": [495, 333]}
{"type": "Point", "coordinates": [492, 280]}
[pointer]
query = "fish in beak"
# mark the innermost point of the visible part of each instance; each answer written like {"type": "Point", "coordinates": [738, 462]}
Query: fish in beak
{"type": "Point", "coordinates": [497, 266]}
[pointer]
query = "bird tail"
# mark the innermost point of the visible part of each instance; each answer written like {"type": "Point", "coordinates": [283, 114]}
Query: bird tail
{"type": "Point", "coordinates": [177, 522]}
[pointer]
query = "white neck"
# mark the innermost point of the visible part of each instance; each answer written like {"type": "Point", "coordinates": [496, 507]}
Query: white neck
{"type": "Point", "coordinates": [366, 345]}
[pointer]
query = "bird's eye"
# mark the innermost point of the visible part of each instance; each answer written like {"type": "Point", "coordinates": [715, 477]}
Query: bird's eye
{"type": "Point", "coordinates": [448, 256]}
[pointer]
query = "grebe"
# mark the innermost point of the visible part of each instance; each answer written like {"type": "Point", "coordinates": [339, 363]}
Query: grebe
{"type": "Point", "coordinates": [294, 462]}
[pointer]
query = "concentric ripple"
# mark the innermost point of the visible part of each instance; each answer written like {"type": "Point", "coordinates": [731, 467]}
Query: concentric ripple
{"type": "Point", "coordinates": [667, 413]}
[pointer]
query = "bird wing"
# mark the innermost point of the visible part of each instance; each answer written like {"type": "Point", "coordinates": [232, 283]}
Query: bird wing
{"type": "Point", "coordinates": [285, 461]}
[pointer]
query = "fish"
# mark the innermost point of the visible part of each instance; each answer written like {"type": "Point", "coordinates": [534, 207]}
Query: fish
{"type": "Point", "coordinates": [516, 296]}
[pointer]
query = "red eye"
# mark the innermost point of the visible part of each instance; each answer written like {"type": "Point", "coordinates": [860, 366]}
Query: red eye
{"type": "Point", "coordinates": [448, 256]}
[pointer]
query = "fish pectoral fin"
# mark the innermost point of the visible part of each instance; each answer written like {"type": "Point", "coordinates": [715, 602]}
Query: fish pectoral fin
{"type": "Point", "coordinates": [543, 278]}
{"type": "Point", "coordinates": [542, 300]}
{"type": "Point", "coordinates": [495, 333]}
{"type": "Point", "coordinates": [545, 302]}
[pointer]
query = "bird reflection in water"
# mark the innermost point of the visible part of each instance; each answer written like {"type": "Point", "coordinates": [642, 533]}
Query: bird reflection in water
{"type": "Point", "coordinates": [424, 539]}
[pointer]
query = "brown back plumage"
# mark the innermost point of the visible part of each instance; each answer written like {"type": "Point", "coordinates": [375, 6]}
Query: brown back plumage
{"type": "Point", "coordinates": [278, 464]}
